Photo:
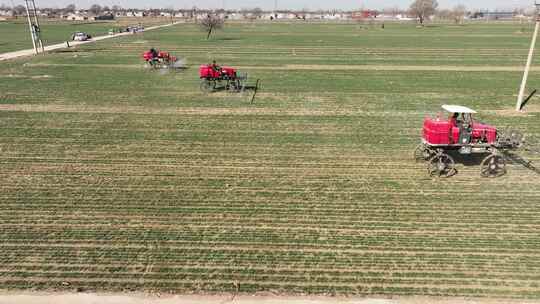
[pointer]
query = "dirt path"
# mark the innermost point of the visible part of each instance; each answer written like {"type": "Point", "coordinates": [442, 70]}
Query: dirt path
{"type": "Point", "coordinates": [90, 298]}
{"type": "Point", "coordinates": [30, 52]}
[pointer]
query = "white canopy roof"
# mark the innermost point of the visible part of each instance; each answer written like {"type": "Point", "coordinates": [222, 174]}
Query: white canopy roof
{"type": "Point", "coordinates": [458, 109]}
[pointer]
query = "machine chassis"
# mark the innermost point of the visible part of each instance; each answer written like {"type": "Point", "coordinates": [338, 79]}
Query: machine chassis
{"type": "Point", "coordinates": [440, 163]}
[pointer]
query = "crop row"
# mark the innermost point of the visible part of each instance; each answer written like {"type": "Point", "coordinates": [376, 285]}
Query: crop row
{"type": "Point", "coordinates": [209, 268]}
{"type": "Point", "coordinates": [135, 200]}
{"type": "Point", "coordinates": [287, 223]}
{"type": "Point", "coordinates": [260, 235]}
{"type": "Point", "coordinates": [139, 251]}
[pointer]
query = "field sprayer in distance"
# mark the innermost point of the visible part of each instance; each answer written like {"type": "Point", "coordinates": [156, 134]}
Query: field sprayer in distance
{"type": "Point", "coordinates": [215, 78]}
{"type": "Point", "coordinates": [460, 133]}
{"type": "Point", "coordinates": [162, 60]}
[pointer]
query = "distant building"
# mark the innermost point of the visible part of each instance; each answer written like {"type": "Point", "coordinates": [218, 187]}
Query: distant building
{"type": "Point", "coordinates": [493, 15]}
{"type": "Point", "coordinates": [182, 14]}
{"type": "Point", "coordinates": [6, 13]}
{"type": "Point", "coordinates": [365, 14]}
{"type": "Point", "coordinates": [235, 16]}
{"type": "Point", "coordinates": [401, 17]}
{"type": "Point", "coordinates": [104, 17]}
{"type": "Point", "coordinates": [75, 17]}
{"type": "Point", "coordinates": [41, 13]}
{"type": "Point", "coordinates": [333, 16]}
{"type": "Point", "coordinates": [388, 17]}
{"type": "Point", "coordinates": [136, 14]}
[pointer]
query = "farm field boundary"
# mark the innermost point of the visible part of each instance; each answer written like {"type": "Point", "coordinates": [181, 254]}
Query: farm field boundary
{"type": "Point", "coordinates": [85, 298]}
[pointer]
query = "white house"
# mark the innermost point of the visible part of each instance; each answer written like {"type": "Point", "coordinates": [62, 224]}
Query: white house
{"type": "Point", "coordinates": [404, 18]}
{"type": "Point", "coordinates": [42, 13]}
{"type": "Point", "coordinates": [135, 14]}
{"type": "Point", "coordinates": [181, 15]}
{"type": "Point", "coordinates": [75, 17]}
{"type": "Point", "coordinates": [387, 17]}
{"type": "Point", "coordinates": [331, 17]}
{"type": "Point", "coordinates": [6, 13]}
{"type": "Point", "coordinates": [286, 16]}
{"type": "Point", "coordinates": [236, 16]}
{"type": "Point", "coordinates": [201, 16]}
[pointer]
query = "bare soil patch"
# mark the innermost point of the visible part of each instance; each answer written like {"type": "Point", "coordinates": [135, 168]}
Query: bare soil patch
{"type": "Point", "coordinates": [511, 112]}
{"type": "Point", "coordinates": [46, 76]}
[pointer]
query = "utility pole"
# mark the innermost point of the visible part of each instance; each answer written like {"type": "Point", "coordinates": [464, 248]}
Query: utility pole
{"type": "Point", "coordinates": [33, 25]}
{"type": "Point", "coordinates": [529, 59]}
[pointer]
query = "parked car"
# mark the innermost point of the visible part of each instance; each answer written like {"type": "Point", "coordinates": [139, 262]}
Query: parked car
{"type": "Point", "coordinates": [80, 36]}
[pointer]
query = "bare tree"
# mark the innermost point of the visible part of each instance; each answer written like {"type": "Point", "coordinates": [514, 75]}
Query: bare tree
{"type": "Point", "coordinates": [18, 10]}
{"type": "Point", "coordinates": [458, 13]}
{"type": "Point", "coordinates": [95, 9]}
{"type": "Point", "coordinates": [70, 8]}
{"type": "Point", "coordinates": [422, 9]}
{"type": "Point", "coordinates": [116, 8]}
{"type": "Point", "coordinates": [445, 14]}
{"type": "Point", "coordinates": [252, 14]}
{"type": "Point", "coordinates": [392, 11]}
{"type": "Point", "coordinates": [211, 23]}
{"type": "Point", "coordinates": [257, 12]}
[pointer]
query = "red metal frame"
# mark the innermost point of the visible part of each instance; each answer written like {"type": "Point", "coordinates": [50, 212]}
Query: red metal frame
{"type": "Point", "coordinates": [212, 72]}
{"type": "Point", "coordinates": [441, 132]}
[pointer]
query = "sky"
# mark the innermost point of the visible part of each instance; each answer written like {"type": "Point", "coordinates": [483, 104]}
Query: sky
{"type": "Point", "coordinates": [281, 4]}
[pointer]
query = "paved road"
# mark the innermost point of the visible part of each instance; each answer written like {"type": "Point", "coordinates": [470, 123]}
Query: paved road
{"type": "Point", "coordinates": [30, 52]}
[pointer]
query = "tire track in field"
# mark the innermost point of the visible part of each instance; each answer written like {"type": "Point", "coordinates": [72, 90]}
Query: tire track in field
{"type": "Point", "coordinates": [321, 67]}
{"type": "Point", "coordinates": [278, 227]}
{"type": "Point", "coordinates": [208, 266]}
{"type": "Point", "coordinates": [450, 253]}
{"type": "Point", "coordinates": [441, 68]}
{"type": "Point", "coordinates": [240, 111]}
{"type": "Point", "coordinates": [325, 222]}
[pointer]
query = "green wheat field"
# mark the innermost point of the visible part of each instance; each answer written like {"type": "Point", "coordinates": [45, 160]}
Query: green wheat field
{"type": "Point", "coordinates": [115, 177]}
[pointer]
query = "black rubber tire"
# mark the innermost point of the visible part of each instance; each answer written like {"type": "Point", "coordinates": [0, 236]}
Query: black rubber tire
{"type": "Point", "coordinates": [207, 86]}
{"type": "Point", "coordinates": [422, 153]}
{"type": "Point", "coordinates": [493, 166]}
{"type": "Point", "coordinates": [441, 165]}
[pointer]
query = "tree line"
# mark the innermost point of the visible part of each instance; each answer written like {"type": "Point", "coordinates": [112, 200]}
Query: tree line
{"type": "Point", "coordinates": [421, 10]}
